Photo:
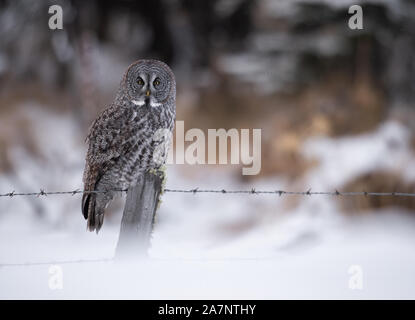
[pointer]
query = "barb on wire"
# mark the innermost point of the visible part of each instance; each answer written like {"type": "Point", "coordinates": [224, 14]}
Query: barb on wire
{"type": "Point", "coordinates": [280, 193]}
{"type": "Point", "coordinates": [293, 193]}
{"type": "Point", "coordinates": [42, 192]}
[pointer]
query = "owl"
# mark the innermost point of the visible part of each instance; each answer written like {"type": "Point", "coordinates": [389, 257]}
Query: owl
{"type": "Point", "coordinates": [123, 141]}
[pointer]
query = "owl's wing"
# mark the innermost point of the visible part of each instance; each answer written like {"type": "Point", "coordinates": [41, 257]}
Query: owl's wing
{"type": "Point", "coordinates": [108, 139]}
{"type": "Point", "coordinates": [111, 135]}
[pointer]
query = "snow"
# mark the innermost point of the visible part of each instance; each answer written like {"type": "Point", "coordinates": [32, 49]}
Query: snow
{"type": "Point", "coordinates": [387, 148]}
{"type": "Point", "coordinates": [319, 270]}
{"type": "Point", "coordinates": [209, 246]}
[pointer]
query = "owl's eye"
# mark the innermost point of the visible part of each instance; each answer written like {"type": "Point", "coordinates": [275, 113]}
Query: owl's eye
{"type": "Point", "coordinates": [156, 82]}
{"type": "Point", "coordinates": [140, 81]}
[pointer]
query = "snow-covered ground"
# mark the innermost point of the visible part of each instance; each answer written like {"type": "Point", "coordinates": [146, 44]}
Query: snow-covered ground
{"type": "Point", "coordinates": [211, 245]}
{"type": "Point", "coordinates": [257, 265]}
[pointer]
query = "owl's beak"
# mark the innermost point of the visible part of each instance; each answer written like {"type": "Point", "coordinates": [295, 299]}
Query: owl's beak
{"type": "Point", "coordinates": [148, 93]}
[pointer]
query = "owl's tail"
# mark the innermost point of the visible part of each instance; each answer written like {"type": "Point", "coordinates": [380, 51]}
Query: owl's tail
{"type": "Point", "coordinates": [93, 211]}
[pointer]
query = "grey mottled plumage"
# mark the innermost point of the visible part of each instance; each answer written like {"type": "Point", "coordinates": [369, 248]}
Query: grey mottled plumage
{"type": "Point", "coordinates": [124, 139]}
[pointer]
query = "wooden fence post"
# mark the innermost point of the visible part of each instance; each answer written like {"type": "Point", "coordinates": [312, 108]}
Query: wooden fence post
{"type": "Point", "coordinates": [138, 216]}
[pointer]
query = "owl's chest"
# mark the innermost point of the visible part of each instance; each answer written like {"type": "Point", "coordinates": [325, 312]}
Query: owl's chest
{"type": "Point", "coordinates": [150, 120]}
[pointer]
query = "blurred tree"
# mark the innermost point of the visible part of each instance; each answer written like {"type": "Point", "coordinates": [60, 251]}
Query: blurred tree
{"type": "Point", "coordinates": [288, 43]}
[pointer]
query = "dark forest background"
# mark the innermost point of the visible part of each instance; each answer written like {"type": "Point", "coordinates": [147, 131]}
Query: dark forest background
{"type": "Point", "coordinates": [292, 68]}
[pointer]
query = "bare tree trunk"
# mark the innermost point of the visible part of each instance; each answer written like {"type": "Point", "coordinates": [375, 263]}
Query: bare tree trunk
{"type": "Point", "coordinates": [138, 217]}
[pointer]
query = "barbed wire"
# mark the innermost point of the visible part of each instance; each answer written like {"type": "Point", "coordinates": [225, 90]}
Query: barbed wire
{"type": "Point", "coordinates": [57, 262]}
{"type": "Point", "coordinates": [42, 192]}
{"type": "Point", "coordinates": [115, 260]}
{"type": "Point", "coordinates": [252, 191]}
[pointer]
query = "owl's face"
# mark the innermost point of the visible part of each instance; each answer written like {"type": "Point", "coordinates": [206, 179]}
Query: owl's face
{"type": "Point", "coordinates": [150, 82]}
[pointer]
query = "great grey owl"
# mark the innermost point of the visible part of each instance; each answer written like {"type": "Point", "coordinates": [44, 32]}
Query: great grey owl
{"type": "Point", "coordinates": [124, 138]}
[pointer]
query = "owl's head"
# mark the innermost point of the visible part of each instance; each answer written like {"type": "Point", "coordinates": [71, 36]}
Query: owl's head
{"type": "Point", "coordinates": [149, 82]}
